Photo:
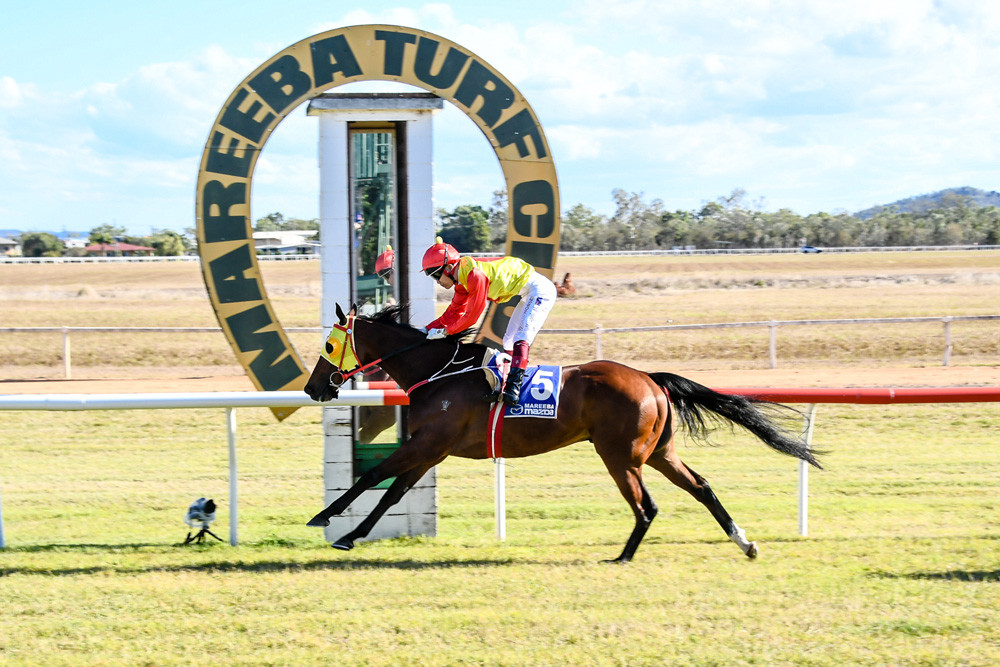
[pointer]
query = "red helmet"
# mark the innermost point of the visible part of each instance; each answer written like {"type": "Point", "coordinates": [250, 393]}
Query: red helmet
{"type": "Point", "coordinates": [438, 256]}
{"type": "Point", "coordinates": [383, 263]}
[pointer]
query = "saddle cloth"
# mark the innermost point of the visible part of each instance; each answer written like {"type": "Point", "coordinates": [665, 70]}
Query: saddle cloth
{"type": "Point", "coordinates": [539, 392]}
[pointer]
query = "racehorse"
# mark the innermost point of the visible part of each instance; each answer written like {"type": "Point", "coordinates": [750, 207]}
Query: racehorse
{"type": "Point", "coordinates": [629, 415]}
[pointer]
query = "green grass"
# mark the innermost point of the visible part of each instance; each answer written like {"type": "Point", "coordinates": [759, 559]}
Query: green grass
{"type": "Point", "coordinates": [901, 567]}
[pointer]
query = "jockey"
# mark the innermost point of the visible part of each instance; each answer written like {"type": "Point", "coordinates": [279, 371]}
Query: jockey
{"type": "Point", "coordinates": [477, 281]}
{"type": "Point", "coordinates": [383, 264]}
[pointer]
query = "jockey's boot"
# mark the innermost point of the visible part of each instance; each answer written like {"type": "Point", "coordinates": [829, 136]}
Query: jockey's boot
{"type": "Point", "coordinates": [518, 362]}
{"type": "Point", "coordinates": [512, 387]}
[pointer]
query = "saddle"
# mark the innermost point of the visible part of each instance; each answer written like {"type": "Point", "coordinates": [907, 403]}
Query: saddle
{"type": "Point", "coordinates": [539, 393]}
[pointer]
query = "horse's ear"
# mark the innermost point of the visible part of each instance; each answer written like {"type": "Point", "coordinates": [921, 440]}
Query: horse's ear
{"type": "Point", "coordinates": [341, 316]}
{"type": "Point", "coordinates": [354, 309]}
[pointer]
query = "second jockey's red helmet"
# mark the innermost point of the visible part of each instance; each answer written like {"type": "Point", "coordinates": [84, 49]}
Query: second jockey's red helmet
{"type": "Point", "coordinates": [438, 256]}
{"type": "Point", "coordinates": [383, 263]}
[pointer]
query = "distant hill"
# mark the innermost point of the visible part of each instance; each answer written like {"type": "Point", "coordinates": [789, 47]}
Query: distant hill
{"type": "Point", "coordinates": [939, 199]}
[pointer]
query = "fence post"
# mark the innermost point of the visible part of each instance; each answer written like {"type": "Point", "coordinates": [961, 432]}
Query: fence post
{"type": "Point", "coordinates": [804, 475]}
{"type": "Point", "coordinates": [772, 346]}
{"type": "Point", "coordinates": [66, 354]}
{"type": "Point", "coordinates": [3, 541]}
{"type": "Point", "coordinates": [947, 340]}
{"type": "Point", "coordinates": [233, 501]}
{"type": "Point", "coordinates": [598, 354]}
{"type": "Point", "coordinates": [500, 499]}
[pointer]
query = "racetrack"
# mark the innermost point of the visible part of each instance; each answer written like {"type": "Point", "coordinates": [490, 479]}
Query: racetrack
{"type": "Point", "coordinates": [901, 565]}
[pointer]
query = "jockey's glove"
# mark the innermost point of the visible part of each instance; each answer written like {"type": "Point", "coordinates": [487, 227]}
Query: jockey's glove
{"type": "Point", "coordinates": [435, 334]}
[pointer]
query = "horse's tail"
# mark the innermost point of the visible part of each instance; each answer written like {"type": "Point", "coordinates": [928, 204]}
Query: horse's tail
{"type": "Point", "coordinates": [690, 399]}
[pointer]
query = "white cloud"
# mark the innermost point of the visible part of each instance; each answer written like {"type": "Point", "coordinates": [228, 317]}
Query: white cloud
{"type": "Point", "coordinates": [12, 94]}
{"type": "Point", "coordinates": [578, 142]}
{"type": "Point", "coordinates": [164, 105]}
{"type": "Point", "coordinates": [811, 103]}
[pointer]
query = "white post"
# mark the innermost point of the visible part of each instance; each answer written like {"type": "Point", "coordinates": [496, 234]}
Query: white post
{"type": "Point", "coordinates": [3, 541]}
{"type": "Point", "coordinates": [500, 500]}
{"type": "Point", "coordinates": [804, 476]}
{"type": "Point", "coordinates": [233, 501]}
{"type": "Point", "coordinates": [947, 341]}
{"type": "Point", "coordinates": [598, 353]}
{"type": "Point", "coordinates": [772, 346]}
{"type": "Point", "coordinates": [66, 354]}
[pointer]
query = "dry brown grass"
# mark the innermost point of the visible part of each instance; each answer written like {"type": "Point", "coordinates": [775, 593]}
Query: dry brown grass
{"type": "Point", "coordinates": [615, 291]}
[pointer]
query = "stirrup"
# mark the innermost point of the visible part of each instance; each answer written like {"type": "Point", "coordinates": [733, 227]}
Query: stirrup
{"type": "Point", "coordinates": [512, 387]}
{"type": "Point", "coordinates": [494, 395]}
{"type": "Point", "coordinates": [511, 395]}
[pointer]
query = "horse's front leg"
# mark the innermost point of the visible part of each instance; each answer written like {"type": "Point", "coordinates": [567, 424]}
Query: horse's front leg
{"type": "Point", "coordinates": [393, 495]}
{"type": "Point", "coordinates": [365, 482]}
{"type": "Point", "coordinates": [411, 455]}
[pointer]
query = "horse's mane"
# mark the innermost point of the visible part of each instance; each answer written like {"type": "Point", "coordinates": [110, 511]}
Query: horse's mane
{"type": "Point", "coordinates": [393, 314]}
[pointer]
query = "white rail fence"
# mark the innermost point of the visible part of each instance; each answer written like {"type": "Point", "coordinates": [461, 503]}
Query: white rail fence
{"type": "Point", "coordinates": [368, 397]}
{"type": "Point", "coordinates": [230, 400]}
{"type": "Point", "coordinates": [597, 331]}
{"type": "Point", "coordinates": [774, 325]}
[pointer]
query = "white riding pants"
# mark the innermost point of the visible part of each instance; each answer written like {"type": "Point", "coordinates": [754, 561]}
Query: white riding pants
{"type": "Point", "coordinates": [537, 298]}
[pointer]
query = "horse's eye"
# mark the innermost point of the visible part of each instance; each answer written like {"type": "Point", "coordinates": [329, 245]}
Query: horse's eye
{"type": "Point", "coordinates": [329, 348]}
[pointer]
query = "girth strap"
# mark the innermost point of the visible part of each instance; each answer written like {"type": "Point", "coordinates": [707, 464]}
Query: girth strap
{"type": "Point", "coordinates": [494, 429]}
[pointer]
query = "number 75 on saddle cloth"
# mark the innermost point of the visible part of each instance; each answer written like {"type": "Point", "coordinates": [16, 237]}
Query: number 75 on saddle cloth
{"type": "Point", "coordinates": [539, 392]}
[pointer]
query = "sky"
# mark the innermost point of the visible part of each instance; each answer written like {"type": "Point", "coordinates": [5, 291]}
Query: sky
{"type": "Point", "coordinates": [809, 105]}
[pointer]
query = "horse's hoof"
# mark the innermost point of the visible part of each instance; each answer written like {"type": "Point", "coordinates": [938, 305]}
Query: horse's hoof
{"type": "Point", "coordinates": [752, 551]}
{"type": "Point", "coordinates": [617, 561]}
{"type": "Point", "coordinates": [343, 544]}
{"type": "Point", "coordinates": [318, 521]}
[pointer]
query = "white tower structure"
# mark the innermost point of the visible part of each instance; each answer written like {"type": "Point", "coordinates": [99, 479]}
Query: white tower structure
{"type": "Point", "coordinates": [376, 189]}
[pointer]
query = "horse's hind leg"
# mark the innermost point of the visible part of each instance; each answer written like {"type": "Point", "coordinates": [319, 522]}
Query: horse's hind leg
{"type": "Point", "coordinates": [681, 475]}
{"type": "Point", "coordinates": [629, 481]}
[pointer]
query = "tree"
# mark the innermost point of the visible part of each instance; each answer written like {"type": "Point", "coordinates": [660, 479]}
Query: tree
{"type": "Point", "coordinates": [498, 220]}
{"type": "Point", "coordinates": [276, 222]}
{"type": "Point", "coordinates": [731, 221]}
{"type": "Point", "coordinates": [271, 222]}
{"type": "Point", "coordinates": [581, 228]}
{"type": "Point", "coordinates": [167, 243]}
{"type": "Point", "coordinates": [41, 244]}
{"type": "Point", "coordinates": [467, 228]}
{"type": "Point", "coordinates": [635, 222]}
{"type": "Point", "coordinates": [675, 229]}
{"type": "Point", "coordinates": [106, 233]}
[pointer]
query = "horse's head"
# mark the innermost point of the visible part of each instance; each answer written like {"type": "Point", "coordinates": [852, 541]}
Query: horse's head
{"type": "Point", "coordinates": [357, 343]}
{"type": "Point", "coordinates": [338, 357]}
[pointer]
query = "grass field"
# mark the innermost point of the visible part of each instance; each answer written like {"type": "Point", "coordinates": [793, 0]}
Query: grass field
{"type": "Point", "coordinates": [901, 567]}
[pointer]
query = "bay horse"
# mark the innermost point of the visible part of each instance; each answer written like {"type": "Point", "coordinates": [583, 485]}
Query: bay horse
{"type": "Point", "coordinates": [629, 415]}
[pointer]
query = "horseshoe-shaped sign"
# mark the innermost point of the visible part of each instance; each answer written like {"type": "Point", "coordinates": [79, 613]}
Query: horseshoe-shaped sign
{"type": "Point", "coordinates": [302, 71]}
